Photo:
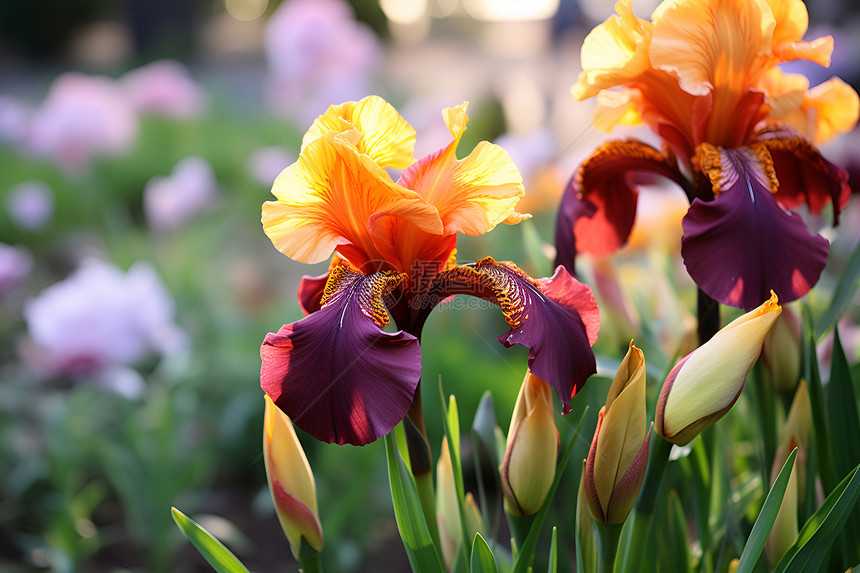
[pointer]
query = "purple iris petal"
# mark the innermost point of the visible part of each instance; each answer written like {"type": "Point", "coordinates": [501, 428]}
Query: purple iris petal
{"type": "Point", "coordinates": [335, 372]}
{"type": "Point", "coordinates": [743, 244]}
{"type": "Point", "coordinates": [557, 318]}
{"type": "Point", "coordinates": [311, 292]}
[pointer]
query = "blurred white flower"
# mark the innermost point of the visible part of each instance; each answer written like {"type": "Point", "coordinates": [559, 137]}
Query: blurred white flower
{"type": "Point", "coordinates": [317, 53]}
{"type": "Point", "coordinates": [30, 204]}
{"type": "Point", "coordinates": [171, 201]}
{"type": "Point", "coordinates": [266, 163]}
{"type": "Point", "coordinates": [15, 264]}
{"type": "Point", "coordinates": [82, 117]}
{"type": "Point", "coordinates": [101, 318]}
{"type": "Point", "coordinates": [164, 87]}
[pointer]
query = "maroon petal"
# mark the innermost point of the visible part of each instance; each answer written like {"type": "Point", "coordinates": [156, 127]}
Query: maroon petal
{"type": "Point", "coordinates": [311, 292]}
{"type": "Point", "coordinates": [743, 244]}
{"type": "Point", "coordinates": [599, 205]}
{"type": "Point", "coordinates": [335, 372]}
{"type": "Point", "coordinates": [804, 175]}
{"type": "Point", "coordinates": [556, 319]}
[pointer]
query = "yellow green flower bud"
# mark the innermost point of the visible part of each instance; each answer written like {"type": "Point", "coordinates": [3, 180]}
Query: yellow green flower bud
{"type": "Point", "coordinates": [528, 468]}
{"type": "Point", "coordinates": [618, 456]}
{"type": "Point", "coordinates": [706, 383]}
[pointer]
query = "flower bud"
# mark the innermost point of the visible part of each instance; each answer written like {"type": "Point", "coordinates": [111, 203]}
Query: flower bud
{"type": "Point", "coordinates": [528, 467]}
{"type": "Point", "coordinates": [290, 481]}
{"type": "Point", "coordinates": [706, 383]}
{"type": "Point", "coordinates": [448, 511]}
{"type": "Point", "coordinates": [781, 351]}
{"type": "Point", "coordinates": [618, 455]}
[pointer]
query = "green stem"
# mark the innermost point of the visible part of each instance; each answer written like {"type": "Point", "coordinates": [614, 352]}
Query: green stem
{"type": "Point", "coordinates": [643, 512]}
{"type": "Point", "coordinates": [606, 536]}
{"type": "Point", "coordinates": [708, 314]}
{"type": "Point", "coordinates": [311, 564]}
{"type": "Point", "coordinates": [520, 526]}
{"type": "Point", "coordinates": [421, 462]}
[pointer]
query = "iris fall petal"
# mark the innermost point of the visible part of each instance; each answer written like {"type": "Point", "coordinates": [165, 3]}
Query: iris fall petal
{"type": "Point", "coordinates": [335, 372]}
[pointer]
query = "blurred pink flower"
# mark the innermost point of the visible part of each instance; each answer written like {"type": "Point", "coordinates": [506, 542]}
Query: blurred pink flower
{"type": "Point", "coordinates": [171, 201]}
{"type": "Point", "coordinates": [317, 53]}
{"type": "Point", "coordinates": [267, 162]}
{"type": "Point", "coordinates": [164, 87]}
{"type": "Point", "coordinates": [15, 264]}
{"type": "Point", "coordinates": [30, 204]}
{"type": "Point", "coordinates": [82, 117]}
{"type": "Point", "coordinates": [101, 318]}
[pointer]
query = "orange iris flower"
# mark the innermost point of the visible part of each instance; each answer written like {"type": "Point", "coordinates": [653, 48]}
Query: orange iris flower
{"type": "Point", "coordinates": [336, 373]}
{"type": "Point", "coordinates": [738, 135]}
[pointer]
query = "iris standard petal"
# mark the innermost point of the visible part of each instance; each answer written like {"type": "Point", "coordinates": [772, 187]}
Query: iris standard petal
{"type": "Point", "coordinates": [743, 244]}
{"type": "Point", "coordinates": [328, 198]}
{"type": "Point", "coordinates": [335, 372]}
{"type": "Point", "coordinates": [600, 200]}
{"type": "Point", "coordinates": [556, 319]}
{"type": "Point", "coordinates": [385, 136]}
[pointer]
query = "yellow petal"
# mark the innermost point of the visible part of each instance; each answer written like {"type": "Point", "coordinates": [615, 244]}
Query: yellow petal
{"type": "Point", "coordinates": [792, 20]}
{"type": "Point", "coordinates": [785, 92]}
{"type": "Point", "coordinates": [833, 108]}
{"type": "Point", "coordinates": [329, 197]}
{"type": "Point", "coordinates": [614, 52]}
{"type": "Point", "coordinates": [712, 46]}
{"type": "Point", "coordinates": [385, 136]}
{"type": "Point", "coordinates": [616, 108]}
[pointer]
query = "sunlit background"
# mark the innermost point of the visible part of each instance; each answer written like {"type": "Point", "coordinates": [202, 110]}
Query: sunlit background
{"type": "Point", "coordinates": [138, 140]}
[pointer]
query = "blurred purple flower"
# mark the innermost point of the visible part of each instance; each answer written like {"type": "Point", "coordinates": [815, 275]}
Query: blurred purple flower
{"type": "Point", "coordinates": [164, 87]}
{"type": "Point", "coordinates": [267, 162]}
{"type": "Point", "coordinates": [99, 319]}
{"type": "Point", "coordinates": [30, 204]}
{"type": "Point", "coordinates": [14, 120]}
{"type": "Point", "coordinates": [15, 264]}
{"type": "Point", "coordinates": [82, 117]}
{"type": "Point", "coordinates": [171, 201]}
{"type": "Point", "coordinates": [317, 53]}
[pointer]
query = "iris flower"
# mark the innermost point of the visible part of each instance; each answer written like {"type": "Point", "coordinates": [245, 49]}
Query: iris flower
{"type": "Point", "coordinates": [336, 373]}
{"type": "Point", "coordinates": [738, 136]}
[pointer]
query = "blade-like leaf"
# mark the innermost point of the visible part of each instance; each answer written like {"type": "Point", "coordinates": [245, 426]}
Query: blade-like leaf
{"type": "Point", "coordinates": [553, 552]}
{"type": "Point", "coordinates": [485, 460]}
{"type": "Point", "coordinates": [766, 518]}
{"type": "Point", "coordinates": [422, 553]}
{"type": "Point", "coordinates": [819, 532]}
{"type": "Point", "coordinates": [219, 557]}
{"type": "Point", "coordinates": [452, 432]}
{"type": "Point", "coordinates": [842, 294]}
{"type": "Point", "coordinates": [482, 557]}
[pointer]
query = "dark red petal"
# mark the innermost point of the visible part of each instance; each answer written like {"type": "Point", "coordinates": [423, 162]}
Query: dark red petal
{"type": "Point", "coordinates": [743, 244]}
{"type": "Point", "coordinates": [335, 372]}
{"type": "Point", "coordinates": [804, 175]}
{"type": "Point", "coordinates": [556, 319]}
{"type": "Point", "coordinates": [311, 292]}
{"type": "Point", "coordinates": [600, 201]}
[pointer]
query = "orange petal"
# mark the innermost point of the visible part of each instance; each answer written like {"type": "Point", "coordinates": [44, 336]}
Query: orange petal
{"type": "Point", "coordinates": [712, 46]}
{"type": "Point", "coordinates": [473, 194]}
{"type": "Point", "coordinates": [329, 198]}
{"type": "Point", "coordinates": [613, 53]}
{"type": "Point", "coordinates": [385, 136]}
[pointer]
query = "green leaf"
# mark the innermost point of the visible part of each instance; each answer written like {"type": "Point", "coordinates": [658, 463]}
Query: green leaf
{"type": "Point", "coordinates": [485, 458]}
{"type": "Point", "coordinates": [766, 518]}
{"type": "Point", "coordinates": [823, 445]}
{"type": "Point", "coordinates": [842, 294]}
{"type": "Point", "coordinates": [553, 552]}
{"type": "Point", "coordinates": [422, 553]}
{"type": "Point", "coordinates": [452, 432]}
{"type": "Point", "coordinates": [219, 557]}
{"type": "Point", "coordinates": [818, 533]}
{"type": "Point", "coordinates": [482, 557]}
{"type": "Point", "coordinates": [526, 551]}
